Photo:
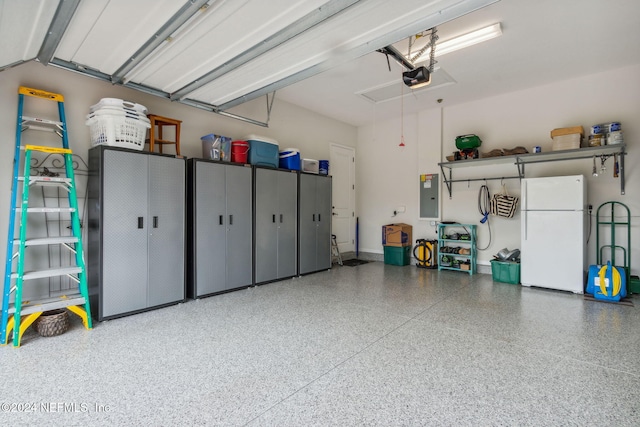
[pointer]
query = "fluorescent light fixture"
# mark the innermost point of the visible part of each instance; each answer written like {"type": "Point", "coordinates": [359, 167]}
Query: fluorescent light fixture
{"type": "Point", "coordinates": [465, 40]}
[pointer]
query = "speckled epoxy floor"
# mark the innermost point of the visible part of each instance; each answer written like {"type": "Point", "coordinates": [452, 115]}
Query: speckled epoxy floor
{"type": "Point", "coordinates": [366, 345]}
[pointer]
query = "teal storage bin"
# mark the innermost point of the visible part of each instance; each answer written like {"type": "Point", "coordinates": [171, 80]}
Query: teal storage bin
{"type": "Point", "coordinates": [397, 255]}
{"type": "Point", "coordinates": [263, 151]}
{"type": "Point", "coordinates": [505, 271]}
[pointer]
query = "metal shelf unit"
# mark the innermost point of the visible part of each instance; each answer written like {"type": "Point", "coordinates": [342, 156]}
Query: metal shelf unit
{"type": "Point", "coordinates": [445, 241]}
{"type": "Point", "coordinates": [520, 160]}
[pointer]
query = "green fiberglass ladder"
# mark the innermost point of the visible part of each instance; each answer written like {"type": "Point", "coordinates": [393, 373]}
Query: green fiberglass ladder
{"type": "Point", "coordinates": [18, 315]}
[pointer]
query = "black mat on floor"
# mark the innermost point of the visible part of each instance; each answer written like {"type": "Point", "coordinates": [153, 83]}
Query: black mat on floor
{"type": "Point", "coordinates": [353, 262]}
{"type": "Point", "coordinates": [624, 301]}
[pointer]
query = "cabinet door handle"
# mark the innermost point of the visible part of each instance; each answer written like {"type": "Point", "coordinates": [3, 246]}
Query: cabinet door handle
{"type": "Point", "coordinates": [314, 217]}
{"type": "Point", "coordinates": [155, 222]}
{"type": "Point", "coordinates": [230, 219]}
{"type": "Point", "coordinates": [319, 217]}
{"type": "Point", "coordinates": [274, 218]}
{"type": "Point", "coordinates": [221, 220]}
{"type": "Point", "coordinates": [140, 222]}
{"type": "Point", "coordinates": [280, 218]}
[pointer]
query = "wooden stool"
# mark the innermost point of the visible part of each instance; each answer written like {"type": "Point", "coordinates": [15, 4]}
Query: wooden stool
{"type": "Point", "coordinates": [161, 122]}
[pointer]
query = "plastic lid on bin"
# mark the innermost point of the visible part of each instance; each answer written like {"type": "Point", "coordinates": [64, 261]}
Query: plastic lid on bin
{"type": "Point", "coordinates": [289, 152]}
{"type": "Point", "coordinates": [260, 139]}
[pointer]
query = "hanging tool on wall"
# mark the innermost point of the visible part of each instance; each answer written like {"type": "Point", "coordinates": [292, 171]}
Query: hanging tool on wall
{"type": "Point", "coordinates": [484, 207]}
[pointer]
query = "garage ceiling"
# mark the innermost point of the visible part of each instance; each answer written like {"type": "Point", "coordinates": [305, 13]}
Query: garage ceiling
{"type": "Point", "coordinates": [542, 42]}
{"type": "Point", "coordinates": [318, 54]}
{"type": "Point", "coordinates": [214, 54]}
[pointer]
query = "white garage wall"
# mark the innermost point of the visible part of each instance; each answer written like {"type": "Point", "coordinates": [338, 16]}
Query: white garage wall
{"type": "Point", "coordinates": [290, 125]}
{"type": "Point", "coordinates": [506, 121]}
{"type": "Point", "coordinates": [387, 174]}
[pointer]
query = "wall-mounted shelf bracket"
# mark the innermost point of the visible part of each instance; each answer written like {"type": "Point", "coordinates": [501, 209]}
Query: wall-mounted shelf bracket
{"type": "Point", "coordinates": [520, 160]}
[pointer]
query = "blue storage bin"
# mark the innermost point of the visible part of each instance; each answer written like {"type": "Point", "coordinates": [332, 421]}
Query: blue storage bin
{"type": "Point", "coordinates": [324, 167]}
{"type": "Point", "coordinates": [290, 159]}
{"type": "Point", "coordinates": [262, 151]}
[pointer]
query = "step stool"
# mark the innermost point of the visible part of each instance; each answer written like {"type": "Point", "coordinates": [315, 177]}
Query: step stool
{"type": "Point", "coordinates": [335, 252]}
{"type": "Point", "coordinates": [161, 122]}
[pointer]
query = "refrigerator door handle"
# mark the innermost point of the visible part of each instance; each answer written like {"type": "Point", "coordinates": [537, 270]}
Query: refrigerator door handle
{"type": "Point", "coordinates": [524, 224]}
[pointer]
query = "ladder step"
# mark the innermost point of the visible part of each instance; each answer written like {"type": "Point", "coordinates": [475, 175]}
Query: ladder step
{"type": "Point", "coordinates": [26, 120]}
{"type": "Point", "coordinates": [49, 241]}
{"type": "Point", "coordinates": [46, 210]}
{"type": "Point", "coordinates": [52, 272]}
{"type": "Point", "coordinates": [48, 180]}
{"type": "Point", "coordinates": [47, 304]}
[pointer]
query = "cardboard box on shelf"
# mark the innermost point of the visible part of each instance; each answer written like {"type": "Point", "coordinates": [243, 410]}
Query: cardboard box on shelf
{"type": "Point", "coordinates": [566, 142]}
{"type": "Point", "coordinates": [397, 235]}
{"type": "Point", "coordinates": [567, 131]}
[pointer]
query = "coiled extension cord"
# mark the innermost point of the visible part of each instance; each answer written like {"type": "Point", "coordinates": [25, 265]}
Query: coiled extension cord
{"type": "Point", "coordinates": [484, 207]}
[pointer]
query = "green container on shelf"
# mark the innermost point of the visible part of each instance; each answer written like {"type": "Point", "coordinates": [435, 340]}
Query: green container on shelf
{"type": "Point", "coordinates": [505, 271]}
{"type": "Point", "coordinates": [397, 255]}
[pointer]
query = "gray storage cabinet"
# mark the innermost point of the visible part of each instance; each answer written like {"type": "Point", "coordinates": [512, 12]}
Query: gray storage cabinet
{"type": "Point", "coordinates": [220, 227]}
{"type": "Point", "coordinates": [275, 216]}
{"type": "Point", "coordinates": [315, 223]}
{"type": "Point", "coordinates": [136, 233]}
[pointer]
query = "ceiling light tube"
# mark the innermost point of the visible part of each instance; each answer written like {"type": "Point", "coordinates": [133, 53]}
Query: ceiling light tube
{"type": "Point", "coordinates": [465, 40]}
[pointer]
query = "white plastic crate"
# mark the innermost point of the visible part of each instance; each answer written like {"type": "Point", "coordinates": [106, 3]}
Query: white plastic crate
{"type": "Point", "coordinates": [310, 165]}
{"type": "Point", "coordinates": [114, 111]}
{"type": "Point", "coordinates": [117, 130]}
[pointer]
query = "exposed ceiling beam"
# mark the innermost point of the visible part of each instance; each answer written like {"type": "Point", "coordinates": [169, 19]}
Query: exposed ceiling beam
{"type": "Point", "coordinates": [57, 27]}
{"type": "Point", "coordinates": [186, 12]}
{"type": "Point", "coordinates": [85, 71]}
{"type": "Point", "coordinates": [433, 20]}
{"type": "Point", "coordinates": [312, 19]}
{"type": "Point", "coordinates": [212, 108]}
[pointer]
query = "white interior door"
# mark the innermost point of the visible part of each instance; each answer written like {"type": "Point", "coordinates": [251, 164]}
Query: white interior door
{"type": "Point", "coordinates": [342, 168]}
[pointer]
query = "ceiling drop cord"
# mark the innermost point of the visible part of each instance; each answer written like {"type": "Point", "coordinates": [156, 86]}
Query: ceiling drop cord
{"type": "Point", "coordinates": [484, 204]}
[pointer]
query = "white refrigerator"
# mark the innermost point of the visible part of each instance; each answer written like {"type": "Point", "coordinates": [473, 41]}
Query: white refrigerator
{"type": "Point", "coordinates": [554, 228]}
